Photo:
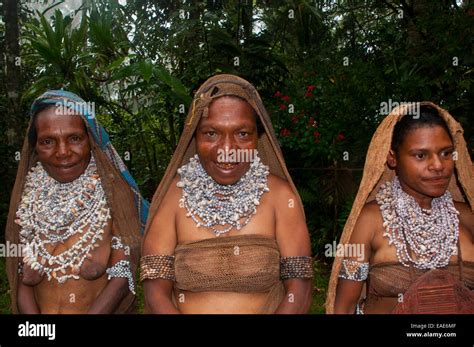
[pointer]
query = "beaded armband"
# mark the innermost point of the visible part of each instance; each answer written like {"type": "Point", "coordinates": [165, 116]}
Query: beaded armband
{"type": "Point", "coordinates": [122, 269]}
{"type": "Point", "coordinates": [354, 270]}
{"type": "Point", "coordinates": [116, 243]}
{"type": "Point", "coordinates": [157, 266]}
{"type": "Point", "coordinates": [296, 267]}
{"type": "Point", "coordinates": [20, 268]}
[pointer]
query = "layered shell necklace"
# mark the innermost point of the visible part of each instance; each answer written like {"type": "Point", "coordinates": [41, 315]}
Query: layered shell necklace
{"type": "Point", "coordinates": [212, 205]}
{"type": "Point", "coordinates": [51, 212]}
{"type": "Point", "coordinates": [431, 234]}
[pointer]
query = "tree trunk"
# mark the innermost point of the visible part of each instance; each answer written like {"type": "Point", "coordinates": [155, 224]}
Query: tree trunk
{"type": "Point", "coordinates": [247, 19]}
{"type": "Point", "coordinates": [12, 73]}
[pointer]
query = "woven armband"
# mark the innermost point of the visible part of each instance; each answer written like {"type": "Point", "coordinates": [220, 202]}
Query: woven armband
{"type": "Point", "coordinates": [157, 266]}
{"type": "Point", "coordinates": [296, 267]}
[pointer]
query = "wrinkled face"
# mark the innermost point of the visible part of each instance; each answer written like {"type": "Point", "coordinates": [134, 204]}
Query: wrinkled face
{"type": "Point", "coordinates": [62, 144]}
{"type": "Point", "coordinates": [231, 127]}
{"type": "Point", "coordinates": [424, 162]}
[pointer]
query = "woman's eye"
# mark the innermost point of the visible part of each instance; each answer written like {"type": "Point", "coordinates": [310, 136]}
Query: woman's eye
{"type": "Point", "coordinates": [75, 138]}
{"type": "Point", "coordinates": [420, 156]}
{"type": "Point", "coordinates": [447, 154]}
{"type": "Point", "coordinates": [211, 133]}
{"type": "Point", "coordinates": [47, 142]}
{"type": "Point", "coordinates": [243, 133]}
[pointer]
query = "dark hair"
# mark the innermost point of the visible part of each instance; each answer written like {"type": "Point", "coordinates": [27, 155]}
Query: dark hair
{"type": "Point", "coordinates": [428, 117]}
{"type": "Point", "coordinates": [32, 134]}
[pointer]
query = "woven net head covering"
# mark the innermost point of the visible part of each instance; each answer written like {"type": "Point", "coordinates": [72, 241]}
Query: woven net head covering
{"type": "Point", "coordinates": [128, 209]}
{"type": "Point", "coordinates": [376, 172]}
{"type": "Point", "coordinates": [215, 87]}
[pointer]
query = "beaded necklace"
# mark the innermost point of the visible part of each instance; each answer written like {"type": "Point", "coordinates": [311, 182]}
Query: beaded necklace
{"type": "Point", "coordinates": [213, 205]}
{"type": "Point", "coordinates": [431, 234]}
{"type": "Point", "coordinates": [51, 212]}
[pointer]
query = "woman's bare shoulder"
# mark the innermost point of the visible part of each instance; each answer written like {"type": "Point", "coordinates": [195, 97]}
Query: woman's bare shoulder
{"type": "Point", "coordinates": [368, 221]}
{"type": "Point", "coordinates": [466, 215]}
{"type": "Point", "coordinates": [279, 186]}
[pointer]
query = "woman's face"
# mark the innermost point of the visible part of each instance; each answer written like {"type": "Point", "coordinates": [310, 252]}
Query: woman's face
{"type": "Point", "coordinates": [424, 163]}
{"type": "Point", "coordinates": [230, 125]}
{"type": "Point", "coordinates": [62, 144]}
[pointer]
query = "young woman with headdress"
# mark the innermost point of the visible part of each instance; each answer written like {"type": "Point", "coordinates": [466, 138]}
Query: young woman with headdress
{"type": "Point", "coordinates": [227, 235]}
{"type": "Point", "coordinates": [413, 217]}
{"type": "Point", "coordinates": [75, 213]}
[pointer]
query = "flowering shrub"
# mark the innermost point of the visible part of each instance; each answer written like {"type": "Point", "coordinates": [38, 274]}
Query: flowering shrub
{"type": "Point", "coordinates": [302, 130]}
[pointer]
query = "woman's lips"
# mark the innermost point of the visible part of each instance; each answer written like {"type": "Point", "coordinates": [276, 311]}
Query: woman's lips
{"type": "Point", "coordinates": [227, 166]}
{"type": "Point", "coordinates": [437, 180]}
{"type": "Point", "coordinates": [66, 167]}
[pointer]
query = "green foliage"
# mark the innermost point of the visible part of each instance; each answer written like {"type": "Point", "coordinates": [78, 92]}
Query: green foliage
{"type": "Point", "coordinates": [4, 290]}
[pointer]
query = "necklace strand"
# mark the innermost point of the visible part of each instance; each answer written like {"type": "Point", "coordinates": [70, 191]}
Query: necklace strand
{"type": "Point", "coordinates": [51, 212]}
{"type": "Point", "coordinates": [431, 234]}
{"type": "Point", "coordinates": [212, 205]}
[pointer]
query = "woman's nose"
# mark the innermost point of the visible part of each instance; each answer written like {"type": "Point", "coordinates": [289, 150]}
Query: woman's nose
{"type": "Point", "coordinates": [63, 150]}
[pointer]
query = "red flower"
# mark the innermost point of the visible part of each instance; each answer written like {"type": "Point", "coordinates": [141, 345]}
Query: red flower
{"type": "Point", "coordinates": [312, 122]}
{"type": "Point", "coordinates": [277, 94]}
{"type": "Point", "coordinates": [309, 91]}
{"type": "Point", "coordinates": [470, 12]}
{"type": "Point", "coordinates": [285, 132]}
{"type": "Point", "coordinates": [282, 107]}
{"type": "Point", "coordinates": [285, 98]}
{"type": "Point", "coordinates": [341, 137]}
{"type": "Point", "coordinates": [295, 119]}
{"type": "Point", "coordinates": [316, 134]}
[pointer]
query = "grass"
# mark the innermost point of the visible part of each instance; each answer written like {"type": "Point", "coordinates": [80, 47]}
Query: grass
{"type": "Point", "coordinates": [322, 271]}
{"type": "Point", "coordinates": [320, 283]}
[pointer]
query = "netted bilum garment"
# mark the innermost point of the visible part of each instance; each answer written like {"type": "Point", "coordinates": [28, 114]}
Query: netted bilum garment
{"type": "Point", "coordinates": [242, 264]}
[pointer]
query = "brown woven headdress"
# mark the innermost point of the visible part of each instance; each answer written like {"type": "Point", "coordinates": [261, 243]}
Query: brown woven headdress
{"type": "Point", "coordinates": [376, 172]}
{"type": "Point", "coordinates": [215, 87]}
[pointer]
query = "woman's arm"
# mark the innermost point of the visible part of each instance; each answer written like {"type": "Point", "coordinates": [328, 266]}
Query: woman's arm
{"type": "Point", "coordinates": [116, 289]}
{"type": "Point", "coordinates": [348, 291]}
{"type": "Point", "coordinates": [26, 298]}
{"type": "Point", "coordinates": [160, 240]}
{"type": "Point", "coordinates": [293, 240]}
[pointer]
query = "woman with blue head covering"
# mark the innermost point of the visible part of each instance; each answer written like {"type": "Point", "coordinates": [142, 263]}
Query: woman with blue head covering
{"type": "Point", "coordinates": [76, 215]}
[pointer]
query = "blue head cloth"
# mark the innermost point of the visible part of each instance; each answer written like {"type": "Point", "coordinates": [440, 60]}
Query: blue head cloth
{"type": "Point", "coordinates": [101, 138]}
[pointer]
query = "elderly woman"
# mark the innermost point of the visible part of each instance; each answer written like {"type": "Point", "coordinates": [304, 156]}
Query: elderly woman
{"type": "Point", "coordinates": [414, 217]}
{"type": "Point", "coordinates": [227, 232]}
{"type": "Point", "coordinates": [76, 213]}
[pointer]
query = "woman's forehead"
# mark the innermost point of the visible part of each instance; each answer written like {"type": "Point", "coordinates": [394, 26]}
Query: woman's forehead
{"type": "Point", "coordinates": [429, 136]}
{"type": "Point", "coordinates": [229, 110]}
{"type": "Point", "coordinates": [51, 117]}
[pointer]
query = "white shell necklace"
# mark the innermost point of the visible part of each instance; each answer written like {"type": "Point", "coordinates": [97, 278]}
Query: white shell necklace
{"type": "Point", "coordinates": [52, 212]}
{"type": "Point", "coordinates": [211, 204]}
{"type": "Point", "coordinates": [431, 235]}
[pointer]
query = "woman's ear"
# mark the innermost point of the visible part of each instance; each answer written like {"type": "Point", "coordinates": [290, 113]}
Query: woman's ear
{"type": "Point", "coordinates": [391, 159]}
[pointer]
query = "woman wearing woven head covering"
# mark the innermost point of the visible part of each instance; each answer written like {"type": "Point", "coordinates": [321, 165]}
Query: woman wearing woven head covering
{"type": "Point", "coordinates": [413, 218]}
{"type": "Point", "coordinates": [227, 232]}
{"type": "Point", "coordinates": [76, 213]}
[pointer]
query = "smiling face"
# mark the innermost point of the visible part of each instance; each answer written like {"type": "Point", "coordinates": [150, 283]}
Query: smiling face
{"type": "Point", "coordinates": [230, 125]}
{"type": "Point", "coordinates": [62, 144]}
{"type": "Point", "coordinates": [424, 163]}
